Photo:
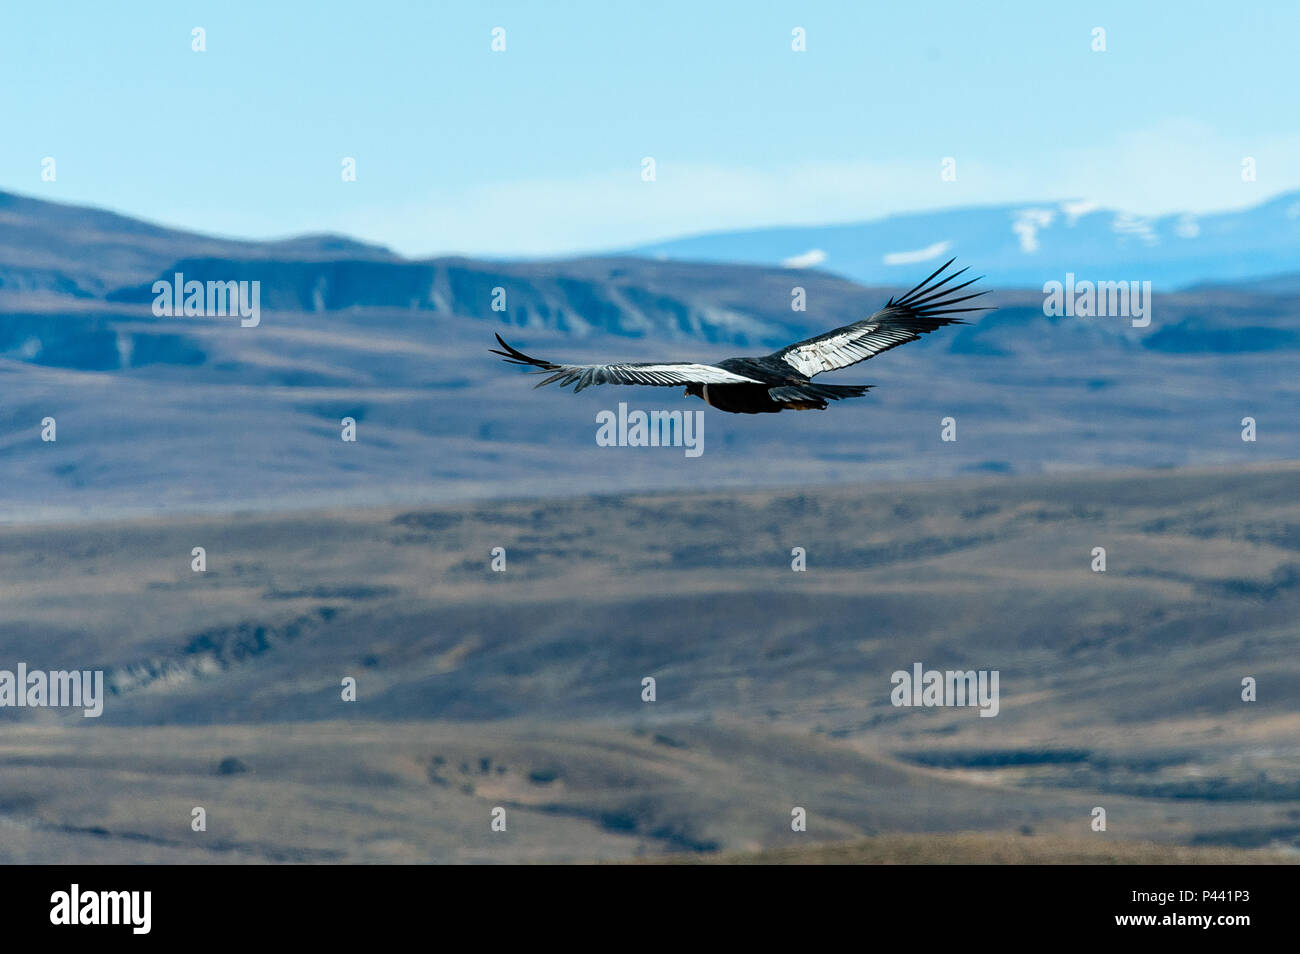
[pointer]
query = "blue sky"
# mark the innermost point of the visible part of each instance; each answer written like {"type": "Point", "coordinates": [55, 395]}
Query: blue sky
{"type": "Point", "coordinates": [538, 150]}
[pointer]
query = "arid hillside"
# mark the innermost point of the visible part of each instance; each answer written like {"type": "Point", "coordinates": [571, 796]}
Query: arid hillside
{"type": "Point", "coordinates": [523, 689]}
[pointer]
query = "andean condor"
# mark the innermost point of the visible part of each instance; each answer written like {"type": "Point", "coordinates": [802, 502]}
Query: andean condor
{"type": "Point", "coordinates": [782, 380]}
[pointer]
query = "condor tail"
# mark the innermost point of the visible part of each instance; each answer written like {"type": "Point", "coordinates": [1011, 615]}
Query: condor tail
{"type": "Point", "coordinates": [817, 394]}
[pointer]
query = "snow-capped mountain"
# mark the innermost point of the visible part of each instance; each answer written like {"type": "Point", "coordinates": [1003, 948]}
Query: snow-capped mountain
{"type": "Point", "coordinates": [1026, 244]}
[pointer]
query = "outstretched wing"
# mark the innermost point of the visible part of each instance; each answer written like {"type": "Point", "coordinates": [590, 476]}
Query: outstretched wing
{"type": "Point", "coordinates": [922, 310]}
{"type": "Point", "coordinates": [584, 375]}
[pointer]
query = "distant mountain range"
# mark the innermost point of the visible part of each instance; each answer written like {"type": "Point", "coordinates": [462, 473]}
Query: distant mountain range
{"type": "Point", "coordinates": [1026, 244]}
{"type": "Point", "coordinates": [86, 252]}
{"type": "Point", "coordinates": [201, 413]}
{"type": "Point", "coordinates": [687, 289]}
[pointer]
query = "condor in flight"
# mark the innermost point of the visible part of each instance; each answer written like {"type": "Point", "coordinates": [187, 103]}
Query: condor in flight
{"type": "Point", "coordinates": [782, 380]}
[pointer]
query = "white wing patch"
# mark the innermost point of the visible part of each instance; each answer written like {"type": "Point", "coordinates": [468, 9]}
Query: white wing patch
{"type": "Point", "coordinates": [679, 373]}
{"type": "Point", "coordinates": [841, 350]}
{"type": "Point", "coordinates": [583, 376]}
